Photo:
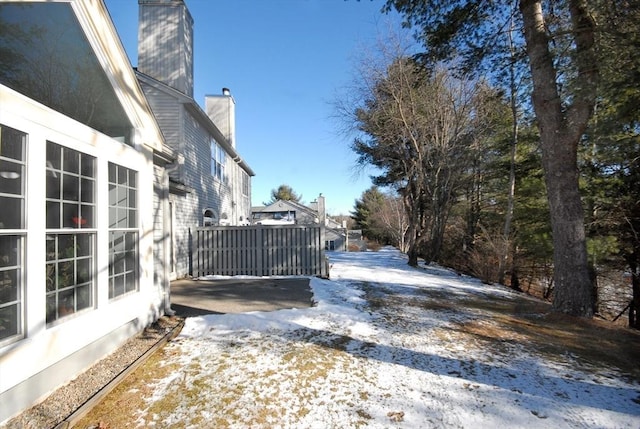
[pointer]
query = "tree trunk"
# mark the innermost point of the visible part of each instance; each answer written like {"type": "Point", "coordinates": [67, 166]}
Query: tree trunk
{"type": "Point", "coordinates": [560, 132]}
{"type": "Point", "coordinates": [413, 231]}
{"type": "Point", "coordinates": [412, 253]}
{"type": "Point", "coordinates": [634, 307]}
{"type": "Point", "coordinates": [508, 217]}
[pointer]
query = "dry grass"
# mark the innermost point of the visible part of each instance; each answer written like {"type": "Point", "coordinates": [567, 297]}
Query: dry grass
{"type": "Point", "coordinates": [118, 409]}
{"type": "Point", "coordinates": [493, 324]}
{"type": "Point", "coordinates": [298, 365]}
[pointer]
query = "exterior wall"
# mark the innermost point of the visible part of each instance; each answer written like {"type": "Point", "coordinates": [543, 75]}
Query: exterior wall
{"type": "Point", "coordinates": [303, 215]}
{"type": "Point", "coordinates": [161, 230]}
{"type": "Point", "coordinates": [167, 112]}
{"type": "Point", "coordinates": [338, 236]}
{"type": "Point", "coordinates": [194, 171]}
{"type": "Point", "coordinates": [185, 215]}
{"type": "Point", "coordinates": [306, 218]}
{"type": "Point", "coordinates": [165, 64]}
{"type": "Point", "coordinates": [206, 191]}
{"type": "Point", "coordinates": [241, 196]}
{"type": "Point", "coordinates": [46, 356]}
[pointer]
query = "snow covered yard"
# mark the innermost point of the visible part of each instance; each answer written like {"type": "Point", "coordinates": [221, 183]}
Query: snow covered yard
{"type": "Point", "coordinates": [390, 346]}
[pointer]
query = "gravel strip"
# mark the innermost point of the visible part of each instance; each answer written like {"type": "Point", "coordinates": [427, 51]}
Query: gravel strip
{"type": "Point", "coordinates": [68, 398]}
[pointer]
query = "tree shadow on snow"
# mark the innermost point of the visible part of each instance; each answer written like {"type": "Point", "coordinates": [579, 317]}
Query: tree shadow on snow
{"type": "Point", "coordinates": [536, 382]}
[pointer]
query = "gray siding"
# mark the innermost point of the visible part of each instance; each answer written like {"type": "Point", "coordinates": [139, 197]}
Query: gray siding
{"type": "Point", "coordinates": [206, 191]}
{"type": "Point", "coordinates": [339, 238]}
{"type": "Point", "coordinates": [186, 220]}
{"type": "Point", "coordinates": [160, 232]}
{"type": "Point", "coordinates": [191, 140]}
{"type": "Point", "coordinates": [165, 43]}
{"type": "Point", "coordinates": [167, 110]}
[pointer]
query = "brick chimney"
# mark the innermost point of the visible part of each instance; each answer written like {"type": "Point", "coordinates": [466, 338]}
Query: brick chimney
{"type": "Point", "coordinates": [165, 43]}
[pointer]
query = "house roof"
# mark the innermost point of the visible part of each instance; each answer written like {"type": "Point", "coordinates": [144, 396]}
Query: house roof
{"type": "Point", "coordinates": [288, 205]}
{"type": "Point", "coordinates": [282, 205]}
{"type": "Point", "coordinates": [202, 118]}
{"type": "Point", "coordinates": [126, 114]}
{"type": "Point", "coordinates": [103, 38]}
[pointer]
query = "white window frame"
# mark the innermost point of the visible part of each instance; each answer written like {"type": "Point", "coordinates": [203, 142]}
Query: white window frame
{"type": "Point", "coordinates": [245, 184]}
{"type": "Point", "coordinates": [124, 232]}
{"type": "Point", "coordinates": [15, 272]}
{"type": "Point", "coordinates": [67, 296]}
{"type": "Point", "coordinates": [218, 162]}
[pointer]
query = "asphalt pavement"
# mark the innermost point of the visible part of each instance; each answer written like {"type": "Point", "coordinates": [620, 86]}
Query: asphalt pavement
{"type": "Point", "coordinates": [191, 297]}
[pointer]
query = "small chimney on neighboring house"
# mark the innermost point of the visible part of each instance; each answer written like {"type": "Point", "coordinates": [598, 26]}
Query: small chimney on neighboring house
{"type": "Point", "coordinates": [221, 109]}
{"type": "Point", "coordinates": [322, 212]}
{"type": "Point", "coordinates": [165, 43]}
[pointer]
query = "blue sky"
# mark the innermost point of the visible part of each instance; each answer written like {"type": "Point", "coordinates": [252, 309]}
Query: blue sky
{"type": "Point", "coordinates": [285, 62]}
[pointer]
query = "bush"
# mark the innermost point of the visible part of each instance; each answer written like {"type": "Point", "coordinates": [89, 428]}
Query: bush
{"type": "Point", "coordinates": [374, 246]}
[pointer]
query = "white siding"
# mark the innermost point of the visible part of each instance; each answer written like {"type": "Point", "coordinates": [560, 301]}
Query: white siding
{"type": "Point", "coordinates": [49, 356]}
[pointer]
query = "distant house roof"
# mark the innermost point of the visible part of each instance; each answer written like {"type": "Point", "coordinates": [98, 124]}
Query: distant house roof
{"type": "Point", "coordinates": [283, 205]}
{"type": "Point", "coordinates": [288, 205]}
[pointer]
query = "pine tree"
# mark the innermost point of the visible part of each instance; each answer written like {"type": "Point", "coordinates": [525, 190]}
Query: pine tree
{"type": "Point", "coordinates": [284, 193]}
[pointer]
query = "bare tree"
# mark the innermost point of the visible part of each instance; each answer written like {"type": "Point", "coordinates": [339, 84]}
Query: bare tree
{"type": "Point", "coordinates": [392, 219]}
{"type": "Point", "coordinates": [418, 129]}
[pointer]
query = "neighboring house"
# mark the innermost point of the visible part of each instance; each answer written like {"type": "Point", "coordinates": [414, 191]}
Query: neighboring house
{"type": "Point", "coordinates": [286, 212]}
{"type": "Point", "coordinates": [210, 183]}
{"type": "Point", "coordinates": [84, 194]}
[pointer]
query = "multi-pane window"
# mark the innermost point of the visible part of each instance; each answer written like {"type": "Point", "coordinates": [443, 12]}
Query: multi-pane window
{"type": "Point", "coordinates": [218, 159]}
{"type": "Point", "coordinates": [123, 231]}
{"type": "Point", "coordinates": [245, 183]}
{"type": "Point", "coordinates": [70, 237]}
{"type": "Point", "coordinates": [12, 231]}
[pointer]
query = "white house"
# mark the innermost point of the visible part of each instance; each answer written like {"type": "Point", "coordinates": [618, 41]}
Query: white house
{"type": "Point", "coordinates": [210, 183]}
{"type": "Point", "coordinates": [84, 241]}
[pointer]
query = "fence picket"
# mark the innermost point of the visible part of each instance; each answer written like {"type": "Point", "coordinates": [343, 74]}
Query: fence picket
{"type": "Point", "coordinates": [259, 250]}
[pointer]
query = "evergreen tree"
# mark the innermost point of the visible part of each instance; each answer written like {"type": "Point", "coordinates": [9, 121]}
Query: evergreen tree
{"type": "Point", "coordinates": [611, 149]}
{"type": "Point", "coordinates": [559, 36]}
{"type": "Point", "coordinates": [371, 202]}
{"type": "Point", "coordinates": [284, 193]}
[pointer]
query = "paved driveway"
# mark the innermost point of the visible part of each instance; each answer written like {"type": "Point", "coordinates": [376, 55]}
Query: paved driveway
{"type": "Point", "coordinates": [199, 297]}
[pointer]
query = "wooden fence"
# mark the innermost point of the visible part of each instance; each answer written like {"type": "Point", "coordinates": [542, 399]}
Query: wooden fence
{"type": "Point", "coordinates": [259, 250]}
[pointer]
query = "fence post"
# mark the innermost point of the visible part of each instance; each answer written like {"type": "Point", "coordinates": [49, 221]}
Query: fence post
{"type": "Point", "coordinates": [191, 254]}
{"type": "Point", "coordinates": [260, 249]}
{"type": "Point", "coordinates": [323, 260]}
